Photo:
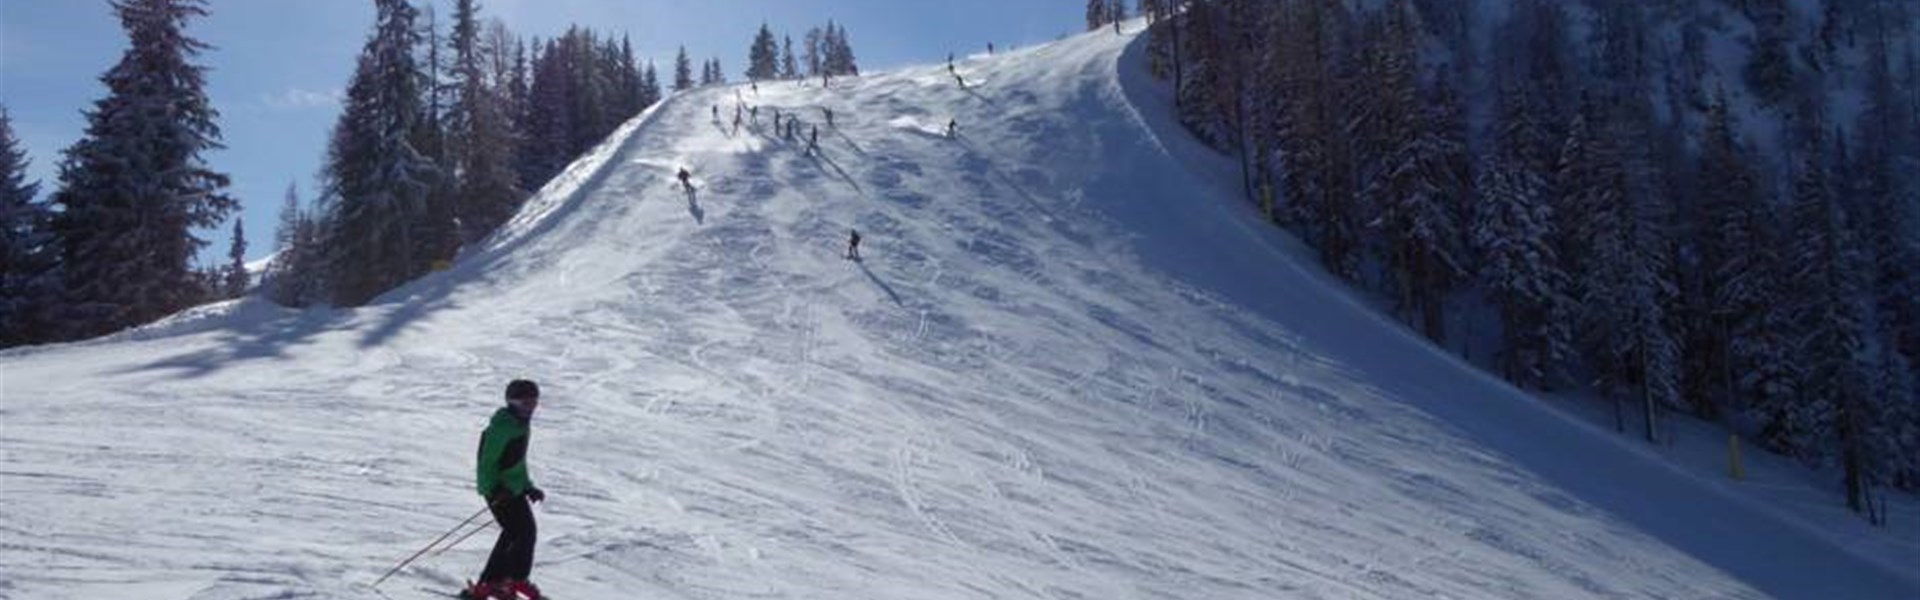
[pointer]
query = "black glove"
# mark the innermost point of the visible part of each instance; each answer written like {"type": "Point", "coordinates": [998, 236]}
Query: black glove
{"type": "Point", "coordinates": [536, 495]}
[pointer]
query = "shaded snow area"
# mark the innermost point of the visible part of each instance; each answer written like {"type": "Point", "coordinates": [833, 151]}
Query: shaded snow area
{"type": "Point", "coordinates": [1066, 368]}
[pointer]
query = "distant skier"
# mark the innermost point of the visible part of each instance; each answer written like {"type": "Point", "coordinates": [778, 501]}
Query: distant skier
{"type": "Point", "coordinates": [813, 141]}
{"type": "Point", "coordinates": [686, 180]}
{"type": "Point", "coordinates": [501, 475]}
{"type": "Point", "coordinates": [953, 127]}
{"type": "Point", "coordinates": [753, 115]}
{"type": "Point", "coordinates": [853, 244]}
{"type": "Point", "coordinates": [716, 113]}
{"type": "Point", "coordinates": [829, 116]}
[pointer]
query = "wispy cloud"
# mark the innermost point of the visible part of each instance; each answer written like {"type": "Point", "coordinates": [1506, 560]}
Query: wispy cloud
{"type": "Point", "coordinates": [294, 98]}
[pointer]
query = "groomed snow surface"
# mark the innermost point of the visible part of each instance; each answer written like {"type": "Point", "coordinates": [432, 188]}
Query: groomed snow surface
{"type": "Point", "coordinates": [1070, 366]}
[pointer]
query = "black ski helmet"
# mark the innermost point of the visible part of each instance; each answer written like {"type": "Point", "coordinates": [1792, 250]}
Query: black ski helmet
{"type": "Point", "coordinates": [522, 389]}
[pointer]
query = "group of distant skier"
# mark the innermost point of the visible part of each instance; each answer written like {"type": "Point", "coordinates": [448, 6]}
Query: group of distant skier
{"type": "Point", "coordinates": [501, 474]}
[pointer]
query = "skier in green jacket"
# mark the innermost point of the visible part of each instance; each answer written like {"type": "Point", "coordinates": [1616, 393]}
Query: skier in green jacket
{"type": "Point", "coordinates": [502, 479]}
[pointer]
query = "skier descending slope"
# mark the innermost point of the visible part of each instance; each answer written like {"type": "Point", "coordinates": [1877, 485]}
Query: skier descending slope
{"type": "Point", "coordinates": [502, 479]}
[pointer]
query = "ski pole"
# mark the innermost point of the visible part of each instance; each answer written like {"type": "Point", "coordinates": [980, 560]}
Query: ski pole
{"type": "Point", "coordinates": [443, 549]}
{"type": "Point", "coordinates": [430, 545]}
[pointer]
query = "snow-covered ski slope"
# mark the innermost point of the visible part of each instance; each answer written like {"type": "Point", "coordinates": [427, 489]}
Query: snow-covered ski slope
{"type": "Point", "coordinates": [1066, 368]}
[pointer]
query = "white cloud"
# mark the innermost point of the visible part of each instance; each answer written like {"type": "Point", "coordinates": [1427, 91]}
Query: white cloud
{"type": "Point", "coordinates": [294, 98]}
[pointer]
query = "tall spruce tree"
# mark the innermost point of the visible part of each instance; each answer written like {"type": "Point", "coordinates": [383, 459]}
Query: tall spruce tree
{"type": "Point", "coordinates": [374, 170]}
{"type": "Point", "coordinates": [789, 67]}
{"type": "Point", "coordinates": [763, 56]}
{"type": "Point", "coordinates": [1831, 306]}
{"type": "Point", "coordinates": [682, 71]}
{"type": "Point", "coordinates": [29, 278]}
{"type": "Point", "coordinates": [133, 190]}
{"type": "Point", "coordinates": [812, 53]}
{"type": "Point", "coordinates": [234, 285]}
{"type": "Point", "coordinates": [479, 134]}
{"type": "Point", "coordinates": [1098, 14]}
{"type": "Point", "coordinates": [1731, 212]}
{"type": "Point", "coordinates": [295, 275]}
{"type": "Point", "coordinates": [1621, 320]}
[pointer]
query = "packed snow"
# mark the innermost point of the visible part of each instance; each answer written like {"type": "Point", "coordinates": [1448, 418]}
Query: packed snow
{"type": "Point", "coordinates": [1070, 365]}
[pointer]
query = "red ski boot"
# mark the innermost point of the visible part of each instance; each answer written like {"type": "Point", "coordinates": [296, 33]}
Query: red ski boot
{"type": "Point", "coordinates": [524, 590]}
{"type": "Point", "coordinates": [487, 591]}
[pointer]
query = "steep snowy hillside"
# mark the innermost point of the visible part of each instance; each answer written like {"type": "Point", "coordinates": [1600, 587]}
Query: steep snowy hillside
{"type": "Point", "coordinates": [1066, 368]}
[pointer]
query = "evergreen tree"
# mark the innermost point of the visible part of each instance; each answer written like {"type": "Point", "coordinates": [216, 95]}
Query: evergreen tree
{"type": "Point", "coordinates": [29, 284]}
{"type": "Point", "coordinates": [1512, 234]}
{"type": "Point", "coordinates": [1830, 305]}
{"type": "Point", "coordinates": [135, 187]}
{"type": "Point", "coordinates": [237, 278]}
{"type": "Point", "coordinates": [1888, 201]}
{"type": "Point", "coordinates": [1769, 69]}
{"type": "Point", "coordinates": [480, 136]}
{"type": "Point", "coordinates": [1098, 14]}
{"type": "Point", "coordinates": [789, 68]}
{"type": "Point", "coordinates": [812, 54]}
{"type": "Point", "coordinates": [295, 276]}
{"type": "Point", "coordinates": [374, 169]}
{"type": "Point", "coordinates": [1621, 320]}
{"type": "Point", "coordinates": [837, 50]}
{"type": "Point", "coordinates": [683, 71]}
{"type": "Point", "coordinates": [649, 87]}
{"type": "Point", "coordinates": [436, 229]}
{"type": "Point", "coordinates": [1316, 156]}
{"type": "Point", "coordinates": [763, 56]}
{"type": "Point", "coordinates": [550, 116]}
{"type": "Point", "coordinates": [1729, 215]}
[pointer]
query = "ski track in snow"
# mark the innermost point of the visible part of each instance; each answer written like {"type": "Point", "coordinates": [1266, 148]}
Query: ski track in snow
{"type": "Point", "coordinates": [1065, 368]}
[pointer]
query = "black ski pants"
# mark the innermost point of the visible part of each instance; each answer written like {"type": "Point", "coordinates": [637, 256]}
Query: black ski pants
{"type": "Point", "coordinates": [513, 553]}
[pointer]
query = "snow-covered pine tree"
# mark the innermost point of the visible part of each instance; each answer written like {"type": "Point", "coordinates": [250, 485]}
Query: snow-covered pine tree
{"type": "Point", "coordinates": [649, 87]}
{"type": "Point", "coordinates": [1769, 70]}
{"type": "Point", "coordinates": [1621, 318]}
{"type": "Point", "coordinates": [629, 93]}
{"type": "Point", "coordinates": [763, 56]}
{"type": "Point", "coordinates": [839, 59]}
{"type": "Point", "coordinates": [1511, 233]}
{"type": "Point", "coordinates": [295, 276]}
{"type": "Point", "coordinates": [374, 170]}
{"type": "Point", "coordinates": [789, 67]}
{"type": "Point", "coordinates": [133, 190]}
{"type": "Point", "coordinates": [682, 71]}
{"type": "Point", "coordinates": [518, 97]}
{"type": "Point", "coordinates": [1515, 237]}
{"type": "Point", "coordinates": [591, 86]}
{"type": "Point", "coordinates": [29, 284]}
{"type": "Point", "coordinates": [811, 52]}
{"type": "Point", "coordinates": [1410, 186]}
{"type": "Point", "coordinates": [236, 280]}
{"type": "Point", "coordinates": [1831, 307]}
{"type": "Point", "coordinates": [1887, 198]}
{"type": "Point", "coordinates": [436, 230]}
{"type": "Point", "coordinates": [1729, 209]}
{"type": "Point", "coordinates": [1315, 158]}
{"type": "Point", "coordinates": [479, 136]}
{"type": "Point", "coordinates": [550, 116]}
{"type": "Point", "coordinates": [1098, 14]}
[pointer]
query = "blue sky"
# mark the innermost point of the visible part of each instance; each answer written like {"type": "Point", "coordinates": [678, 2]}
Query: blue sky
{"type": "Point", "coordinates": [278, 65]}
